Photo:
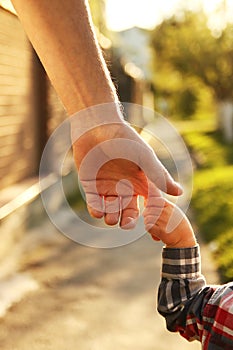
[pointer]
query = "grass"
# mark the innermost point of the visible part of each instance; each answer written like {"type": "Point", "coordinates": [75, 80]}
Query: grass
{"type": "Point", "coordinates": [213, 201]}
{"type": "Point", "coordinates": [213, 193]}
{"type": "Point", "coordinates": [224, 256]}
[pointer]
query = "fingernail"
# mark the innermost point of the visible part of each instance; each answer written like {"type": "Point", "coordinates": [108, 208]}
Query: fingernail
{"type": "Point", "coordinates": [180, 188]}
{"type": "Point", "coordinates": [129, 223]}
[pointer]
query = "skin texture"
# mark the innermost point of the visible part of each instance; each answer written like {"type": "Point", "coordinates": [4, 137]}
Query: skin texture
{"type": "Point", "coordinates": [166, 222]}
{"type": "Point", "coordinates": [62, 34]}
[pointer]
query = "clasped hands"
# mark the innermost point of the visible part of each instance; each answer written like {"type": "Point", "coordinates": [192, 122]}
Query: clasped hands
{"type": "Point", "coordinates": [115, 167]}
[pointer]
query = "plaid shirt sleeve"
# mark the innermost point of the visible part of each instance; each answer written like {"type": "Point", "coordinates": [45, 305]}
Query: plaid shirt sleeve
{"type": "Point", "coordinates": [197, 311]}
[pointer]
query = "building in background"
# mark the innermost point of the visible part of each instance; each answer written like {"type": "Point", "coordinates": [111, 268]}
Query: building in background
{"type": "Point", "coordinates": [132, 72]}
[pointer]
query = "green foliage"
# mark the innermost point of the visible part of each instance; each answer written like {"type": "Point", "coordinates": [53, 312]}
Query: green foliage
{"type": "Point", "coordinates": [98, 14]}
{"type": "Point", "coordinates": [224, 255]}
{"type": "Point", "coordinates": [187, 103]}
{"type": "Point", "coordinates": [213, 194]}
{"type": "Point", "coordinates": [186, 54]}
{"type": "Point", "coordinates": [213, 201]}
{"type": "Point", "coordinates": [208, 148]}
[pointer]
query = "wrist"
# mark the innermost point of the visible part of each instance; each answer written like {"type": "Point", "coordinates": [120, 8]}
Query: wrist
{"type": "Point", "coordinates": [97, 115]}
{"type": "Point", "coordinates": [94, 117]}
{"type": "Point", "coordinates": [183, 243]}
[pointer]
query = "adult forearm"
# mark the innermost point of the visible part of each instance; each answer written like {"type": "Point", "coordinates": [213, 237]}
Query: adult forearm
{"type": "Point", "coordinates": [62, 34]}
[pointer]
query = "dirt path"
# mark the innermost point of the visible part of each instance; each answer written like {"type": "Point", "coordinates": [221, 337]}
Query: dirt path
{"type": "Point", "coordinates": [89, 299]}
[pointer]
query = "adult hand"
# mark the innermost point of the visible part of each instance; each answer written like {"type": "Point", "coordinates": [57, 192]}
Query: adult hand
{"type": "Point", "coordinates": [114, 165]}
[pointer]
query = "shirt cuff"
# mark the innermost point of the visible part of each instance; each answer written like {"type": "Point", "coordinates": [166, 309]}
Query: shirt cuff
{"type": "Point", "coordinates": [180, 263]}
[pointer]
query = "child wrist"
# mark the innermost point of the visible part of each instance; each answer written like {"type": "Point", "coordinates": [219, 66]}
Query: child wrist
{"type": "Point", "coordinates": [192, 242]}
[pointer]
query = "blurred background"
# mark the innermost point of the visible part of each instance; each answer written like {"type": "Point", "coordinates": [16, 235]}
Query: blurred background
{"type": "Point", "coordinates": [175, 57]}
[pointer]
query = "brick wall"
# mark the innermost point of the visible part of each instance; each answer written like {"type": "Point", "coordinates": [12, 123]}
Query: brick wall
{"type": "Point", "coordinates": [16, 138]}
{"type": "Point", "coordinates": [29, 107]}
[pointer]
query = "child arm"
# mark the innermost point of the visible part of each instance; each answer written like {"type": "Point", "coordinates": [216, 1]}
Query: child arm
{"type": "Point", "coordinates": [189, 306]}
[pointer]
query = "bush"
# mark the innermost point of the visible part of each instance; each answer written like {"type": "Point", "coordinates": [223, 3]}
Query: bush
{"type": "Point", "coordinates": [224, 256]}
{"type": "Point", "coordinates": [209, 149]}
{"type": "Point", "coordinates": [212, 199]}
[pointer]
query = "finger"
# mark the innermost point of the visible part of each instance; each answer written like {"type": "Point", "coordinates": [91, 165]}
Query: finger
{"type": "Point", "coordinates": [155, 238]}
{"type": "Point", "coordinates": [175, 219]}
{"type": "Point", "coordinates": [154, 201]}
{"type": "Point", "coordinates": [154, 198]}
{"type": "Point", "coordinates": [95, 205]}
{"type": "Point", "coordinates": [112, 210]}
{"type": "Point", "coordinates": [158, 174]}
{"type": "Point", "coordinates": [155, 231]}
{"type": "Point", "coordinates": [154, 206]}
{"type": "Point", "coordinates": [130, 212]}
{"type": "Point", "coordinates": [151, 222]}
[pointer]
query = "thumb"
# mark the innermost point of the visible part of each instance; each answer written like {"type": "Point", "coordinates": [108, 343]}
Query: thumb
{"type": "Point", "coordinates": [158, 174]}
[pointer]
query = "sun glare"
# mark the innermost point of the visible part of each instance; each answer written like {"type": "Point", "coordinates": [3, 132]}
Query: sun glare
{"type": "Point", "coordinates": [123, 14]}
{"type": "Point", "coordinates": [7, 5]}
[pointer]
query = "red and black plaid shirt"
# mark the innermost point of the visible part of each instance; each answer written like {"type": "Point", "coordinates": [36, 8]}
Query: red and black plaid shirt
{"type": "Point", "coordinates": [197, 311]}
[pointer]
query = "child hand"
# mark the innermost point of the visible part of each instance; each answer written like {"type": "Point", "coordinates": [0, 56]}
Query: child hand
{"type": "Point", "coordinates": [166, 222]}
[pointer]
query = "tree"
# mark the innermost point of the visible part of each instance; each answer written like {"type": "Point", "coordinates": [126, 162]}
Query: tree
{"type": "Point", "coordinates": [98, 14]}
{"type": "Point", "coordinates": [186, 46]}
